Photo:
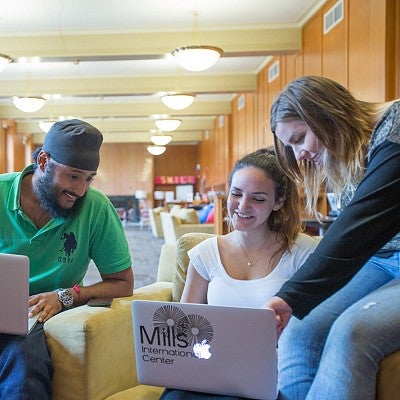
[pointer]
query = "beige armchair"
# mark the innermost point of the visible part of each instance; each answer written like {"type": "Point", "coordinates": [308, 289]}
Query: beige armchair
{"type": "Point", "coordinates": [155, 222]}
{"type": "Point", "coordinates": [92, 348]}
{"type": "Point", "coordinates": [175, 225]}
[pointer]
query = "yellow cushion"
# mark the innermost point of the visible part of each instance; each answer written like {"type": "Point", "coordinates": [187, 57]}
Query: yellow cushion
{"type": "Point", "coordinates": [89, 352]}
{"type": "Point", "coordinates": [140, 392]}
{"type": "Point", "coordinates": [187, 216]}
{"type": "Point", "coordinates": [174, 209]}
{"type": "Point", "coordinates": [92, 347]}
{"type": "Point", "coordinates": [388, 384]}
{"type": "Point", "coordinates": [184, 244]}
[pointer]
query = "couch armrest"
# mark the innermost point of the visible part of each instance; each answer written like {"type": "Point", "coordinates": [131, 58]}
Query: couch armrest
{"type": "Point", "coordinates": [92, 347]}
{"type": "Point", "coordinates": [166, 263]}
{"type": "Point", "coordinates": [194, 228]}
{"type": "Point", "coordinates": [388, 385]}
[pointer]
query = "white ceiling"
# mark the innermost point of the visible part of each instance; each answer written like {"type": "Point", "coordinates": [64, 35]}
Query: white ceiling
{"type": "Point", "coordinates": [107, 61]}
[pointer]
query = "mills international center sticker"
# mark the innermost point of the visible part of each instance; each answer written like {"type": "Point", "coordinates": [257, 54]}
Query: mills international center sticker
{"type": "Point", "coordinates": [175, 334]}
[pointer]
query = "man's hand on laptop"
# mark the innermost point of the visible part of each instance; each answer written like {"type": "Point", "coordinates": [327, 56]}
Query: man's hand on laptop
{"type": "Point", "coordinates": [282, 310]}
{"type": "Point", "coordinates": [46, 303]}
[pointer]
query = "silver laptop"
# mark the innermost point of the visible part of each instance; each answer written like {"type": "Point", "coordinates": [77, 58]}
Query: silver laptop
{"type": "Point", "coordinates": [206, 348]}
{"type": "Point", "coordinates": [14, 295]}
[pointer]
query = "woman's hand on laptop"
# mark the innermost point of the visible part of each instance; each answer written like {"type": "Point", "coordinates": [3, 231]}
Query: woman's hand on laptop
{"type": "Point", "coordinates": [282, 310]}
{"type": "Point", "coordinates": [45, 303]}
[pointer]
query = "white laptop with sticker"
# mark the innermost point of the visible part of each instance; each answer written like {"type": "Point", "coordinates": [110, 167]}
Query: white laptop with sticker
{"type": "Point", "coordinates": [206, 348]}
{"type": "Point", "coordinates": [14, 295]}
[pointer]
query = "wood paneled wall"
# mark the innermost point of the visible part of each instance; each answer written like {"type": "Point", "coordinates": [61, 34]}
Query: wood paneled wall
{"type": "Point", "coordinates": [361, 52]}
{"type": "Point", "coordinates": [214, 152]}
{"type": "Point", "coordinates": [312, 46]}
{"type": "Point", "coordinates": [15, 148]}
{"type": "Point", "coordinates": [261, 109]}
{"type": "Point", "coordinates": [244, 133]}
{"type": "Point", "coordinates": [3, 147]}
{"type": "Point", "coordinates": [335, 47]}
{"type": "Point", "coordinates": [16, 143]}
{"type": "Point", "coordinates": [372, 44]}
{"type": "Point", "coordinates": [177, 160]}
{"type": "Point", "coordinates": [125, 168]}
{"type": "Point", "coordinates": [396, 44]}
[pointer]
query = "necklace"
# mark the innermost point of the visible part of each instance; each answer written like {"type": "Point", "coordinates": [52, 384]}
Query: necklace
{"type": "Point", "coordinates": [250, 262]}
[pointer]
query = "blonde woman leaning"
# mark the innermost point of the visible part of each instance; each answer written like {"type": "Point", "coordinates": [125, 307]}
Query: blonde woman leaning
{"type": "Point", "coordinates": [347, 294]}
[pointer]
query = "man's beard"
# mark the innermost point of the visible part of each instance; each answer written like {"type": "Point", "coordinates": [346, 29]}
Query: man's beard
{"type": "Point", "coordinates": [46, 191]}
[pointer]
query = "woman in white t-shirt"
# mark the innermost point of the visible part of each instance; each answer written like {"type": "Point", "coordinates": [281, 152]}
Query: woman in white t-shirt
{"type": "Point", "coordinates": [247, 266]}
{"type": "Point", "coordinates": [265, 247]}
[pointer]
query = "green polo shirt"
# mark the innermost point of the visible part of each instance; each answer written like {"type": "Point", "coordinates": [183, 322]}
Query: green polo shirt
{"type": "Point", "coordinates": [60, 251]}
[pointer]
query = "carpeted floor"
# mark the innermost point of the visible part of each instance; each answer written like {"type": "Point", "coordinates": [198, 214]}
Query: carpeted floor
{"type": "Point", "coordinates": [145, 250]}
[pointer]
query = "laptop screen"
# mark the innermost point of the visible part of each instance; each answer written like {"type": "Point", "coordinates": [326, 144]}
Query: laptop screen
{"type": "Point", "coordinates": [205, 348]}
{"type": "Point", "coordinates": [14, 293]}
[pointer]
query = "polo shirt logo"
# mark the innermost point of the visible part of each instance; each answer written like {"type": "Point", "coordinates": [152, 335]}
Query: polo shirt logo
{"type": "Point", "coordinates": [70, 243]}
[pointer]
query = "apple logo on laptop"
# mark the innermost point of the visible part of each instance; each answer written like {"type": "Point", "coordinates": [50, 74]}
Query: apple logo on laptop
{"type": "Point", "coordinates": [202, 350]}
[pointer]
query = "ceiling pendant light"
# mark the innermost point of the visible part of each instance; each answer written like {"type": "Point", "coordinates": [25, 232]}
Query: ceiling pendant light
{"type": "Point", "coordinates": [178, 101]}
{"type": "Point", "coordinates": [156, 150]}
{"type": "Point", "coordinates": [4, 61]}
{"type": "Point", "coordinates": [168, 124]}
{"type": "Point", "coordinates": [46, 125]}
{"type": "Point", "coordinates": [29, 104]}
{"type": "Point", "coordinates": [197, 58]}
{"type": "Point", "coordinates": [161, 140]}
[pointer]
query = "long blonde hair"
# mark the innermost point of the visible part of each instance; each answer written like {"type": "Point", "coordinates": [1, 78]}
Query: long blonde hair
{"type": "Point", "coordinates": [342, 124]}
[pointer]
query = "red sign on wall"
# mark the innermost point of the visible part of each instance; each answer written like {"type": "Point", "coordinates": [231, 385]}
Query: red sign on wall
{"type": "Point", "coordinates": [175, 180]}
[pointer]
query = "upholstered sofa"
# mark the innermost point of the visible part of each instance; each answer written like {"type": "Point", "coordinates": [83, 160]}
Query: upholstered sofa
{"type": "Point", "coordinates": [92, 348]}
{"type": "Point", "coordinates": [176, 224]}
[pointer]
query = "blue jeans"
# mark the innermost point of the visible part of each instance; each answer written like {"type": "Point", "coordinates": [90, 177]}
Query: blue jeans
{"type": "Point", "coordinates": [334, 352]}
{"type": "Point", "coordinates": [25, 366]}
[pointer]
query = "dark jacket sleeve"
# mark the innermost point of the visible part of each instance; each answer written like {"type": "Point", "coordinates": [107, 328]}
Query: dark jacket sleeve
{"type": "Point", "coordinates": [370, 220]}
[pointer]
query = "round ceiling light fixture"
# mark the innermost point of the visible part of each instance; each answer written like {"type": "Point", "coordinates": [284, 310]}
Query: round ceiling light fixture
{"type": "Point", "coordinates": [161, 140]}
{"type": "Point", "coordinates": [156, 150]}
{"type": "Point", "coordinates": [178, 101]}
{"type": "Point", "coordinates": [29, 104]}
{"type": "Point", "coordinates": [45, 125]}
{"type": "Point", "coordinates": [197, 58]}
{"type": "Point", "coordinates": [168, 124]}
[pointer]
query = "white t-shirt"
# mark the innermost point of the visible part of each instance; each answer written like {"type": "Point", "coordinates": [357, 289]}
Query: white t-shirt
{"type": "Point", "coordinates": [224, 290]}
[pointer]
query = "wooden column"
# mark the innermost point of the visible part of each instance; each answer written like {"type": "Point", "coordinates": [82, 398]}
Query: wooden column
{"type": "Point", "coordinates": [220, 213]}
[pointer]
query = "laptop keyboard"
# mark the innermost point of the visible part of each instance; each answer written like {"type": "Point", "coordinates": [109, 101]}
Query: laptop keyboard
{"type": "Point", "coordinates": [32, 321]}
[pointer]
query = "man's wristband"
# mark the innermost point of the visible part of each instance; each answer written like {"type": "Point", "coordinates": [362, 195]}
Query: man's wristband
{"type": "Point", "coordinates": [77, 290]}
